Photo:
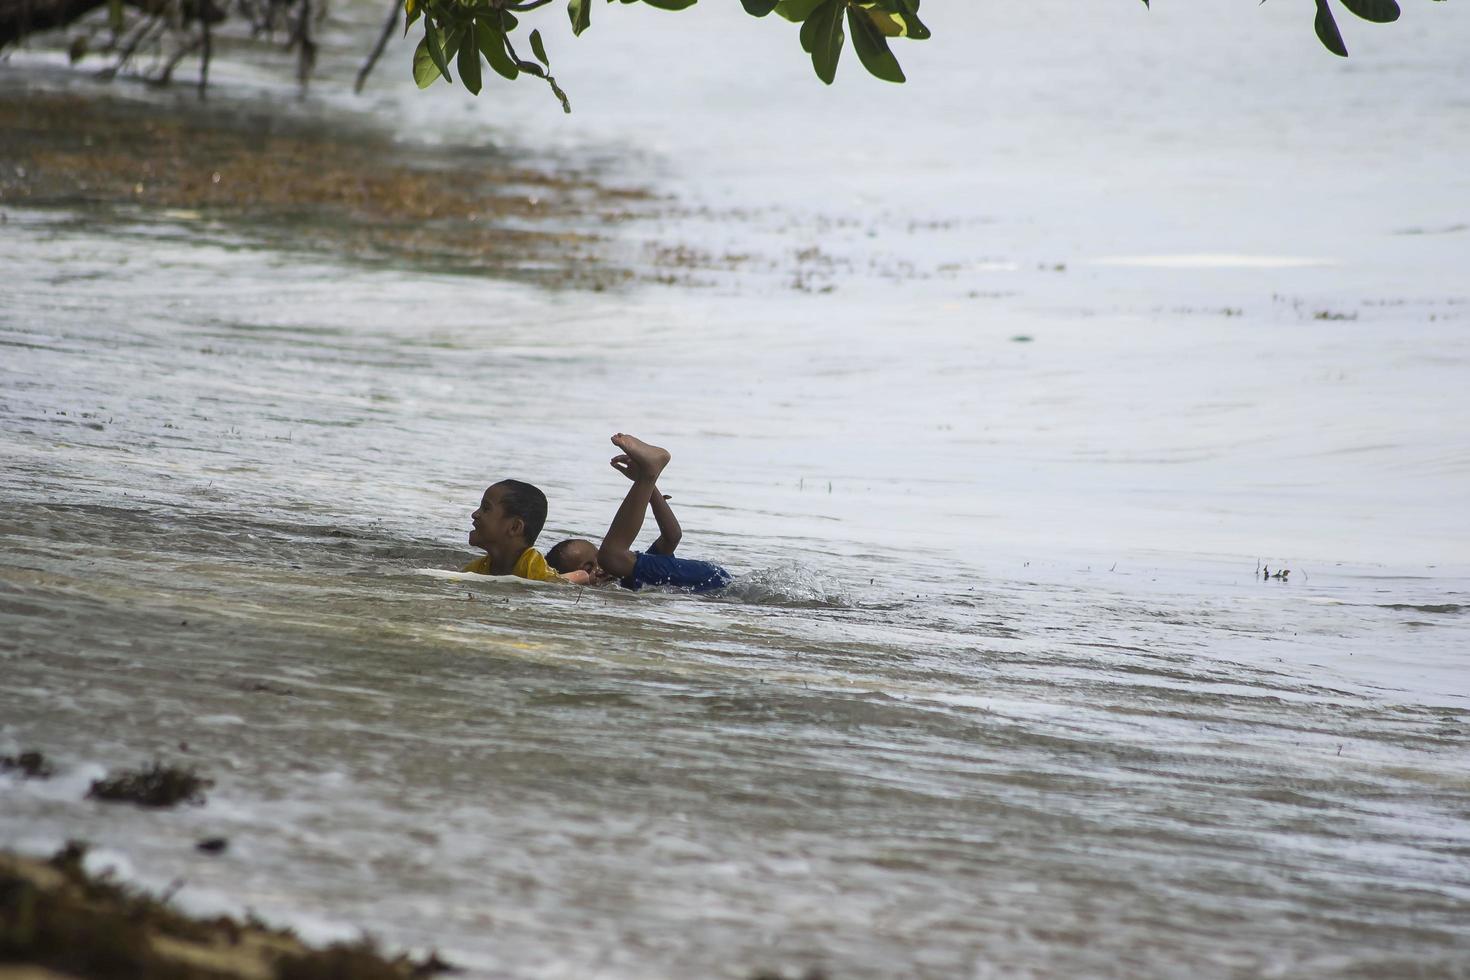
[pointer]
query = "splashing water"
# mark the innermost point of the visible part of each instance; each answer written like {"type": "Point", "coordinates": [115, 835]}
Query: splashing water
{"type": "Point", "coordinates": [788, 585]}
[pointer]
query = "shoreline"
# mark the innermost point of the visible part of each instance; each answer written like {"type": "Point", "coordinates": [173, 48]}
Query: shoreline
{"type": "Point", "coordinates": [241, 174]}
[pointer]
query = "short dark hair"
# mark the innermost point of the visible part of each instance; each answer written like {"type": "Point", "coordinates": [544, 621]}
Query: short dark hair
{"type": "Point", "coordinates": [526, 502]}
{"type": "Point", "coordinates": [557, 552]}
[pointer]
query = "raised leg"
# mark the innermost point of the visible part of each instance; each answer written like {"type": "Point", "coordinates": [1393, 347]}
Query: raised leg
{"type": "Point", "coordinates": [645, 464]}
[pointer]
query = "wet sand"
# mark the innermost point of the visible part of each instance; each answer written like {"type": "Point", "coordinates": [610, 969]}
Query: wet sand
{"type": "Point", "coordinates": [345, 189]}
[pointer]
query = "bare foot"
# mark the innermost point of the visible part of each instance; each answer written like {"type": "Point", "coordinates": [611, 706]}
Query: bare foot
{"type": "Point", "coordinates": [649, 460]}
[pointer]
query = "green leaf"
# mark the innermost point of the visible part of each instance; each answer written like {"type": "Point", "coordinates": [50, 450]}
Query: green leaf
{"type": "Point", "coordinates": [888, 23]}
{"type": "Point", "coordinates": [425, 72]}
{"type": "Point", "coordinates": [452, 35]}
{"type": "Point", "coordinates": [580, 11]}
{"type": "Point", "coordinates": [412, 12]}
{"type": "Point", "coordinates": [813, 24]}
{"type": "Point", "coordinates": [539, 49]}
{"type": "Point", "coordinates": [822, 35]}
{"type": "Point", "coordinates": [797, 11]}
{"type": "Point", "coordinates": [435, 38]}
{"type": "Point", "coordinates": [469, 61]}
{"type": "Point", "coordinates": [914, 28]}
{"type": "Point", "coordinates": [671, 4]}
{"type": "Point", "coordinates": [1378, 11]}
{"type": "Point", "coordinates": [808, 34]}
{"type": "Point", "coordinates": [871, 46]}
{"type": "Point", "coordinates": [491, 43]}
{"type": "Point", "coordinates": [1327, 31]}
{"type": "Point", "coordinates": [759, 8]}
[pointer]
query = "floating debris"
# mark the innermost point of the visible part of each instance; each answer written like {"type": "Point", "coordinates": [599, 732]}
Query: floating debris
{"type": "Point", "coordinates": [31, 765]}
{"type": "Point", "coordinates": [358, 961]}
{"type": "Point", "coordinates": [156, 786]}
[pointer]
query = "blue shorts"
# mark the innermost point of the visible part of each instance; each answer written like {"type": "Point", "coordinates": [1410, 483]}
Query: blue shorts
{"type": "Point", "coordinates": [679, 573]}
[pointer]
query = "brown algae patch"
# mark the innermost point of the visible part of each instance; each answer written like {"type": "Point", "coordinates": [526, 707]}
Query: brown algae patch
{"type": "Point", "coordinates": [30, 765]}
{"type": "Point", "coordinates": [56, 917]}
{"type": "Point", "coordinates": [296, 183]}
{"type": "Point", "coordinates": [246, 173]}
{"type": "Point", "coordinates": [154, 786]}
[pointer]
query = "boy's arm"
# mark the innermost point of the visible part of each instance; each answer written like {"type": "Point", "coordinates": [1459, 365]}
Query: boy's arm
{"type": "Point", "coordinates": [669, 531]}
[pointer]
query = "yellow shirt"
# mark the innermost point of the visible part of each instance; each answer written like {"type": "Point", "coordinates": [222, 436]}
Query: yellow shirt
{"type": "Point", "coordinates": [531, 565]}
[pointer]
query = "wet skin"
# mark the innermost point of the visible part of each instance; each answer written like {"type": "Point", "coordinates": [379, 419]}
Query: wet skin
{"type": "Point", "coordinates": [499, 533]}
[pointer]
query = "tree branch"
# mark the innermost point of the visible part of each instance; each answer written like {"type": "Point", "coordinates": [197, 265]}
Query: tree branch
{"type": "Point", "coordinates": [389, 26]}
{"type": "Point", "coordinates": [208, 43]}
{"type": "Point", "coordinates": [148, 30]}
{"type": "Point", "coordinates": [165, 76]}
{"type": "Point", "coordinates": [307, 58]}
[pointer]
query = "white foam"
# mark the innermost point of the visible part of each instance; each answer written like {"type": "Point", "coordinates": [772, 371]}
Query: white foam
{"type": "Point", "coordinates": [793, 584]}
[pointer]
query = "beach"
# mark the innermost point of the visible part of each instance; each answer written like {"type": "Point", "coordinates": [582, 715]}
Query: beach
{"type": "Point", "coordinates": [1003, 393]}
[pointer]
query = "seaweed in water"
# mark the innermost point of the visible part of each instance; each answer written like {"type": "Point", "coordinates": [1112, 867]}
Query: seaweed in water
{"type": "Point", "coordinates": [156, 786]}
{"type": "Point", "coordinates": [70, 921]}
{"type": "Point", "coordinates": [56, 916]}
{"type": "Point", "coordinates": [356, 961]}
{"type": "Point", "coordinates": [32, 765]}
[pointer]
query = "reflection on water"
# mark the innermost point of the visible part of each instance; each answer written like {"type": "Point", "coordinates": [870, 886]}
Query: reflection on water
{"type": "Point", "coordinates": [999, 690]}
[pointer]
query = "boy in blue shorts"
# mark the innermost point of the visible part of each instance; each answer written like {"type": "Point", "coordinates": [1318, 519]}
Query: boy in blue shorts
{"type": "Point", "coordinates": [642, 464]}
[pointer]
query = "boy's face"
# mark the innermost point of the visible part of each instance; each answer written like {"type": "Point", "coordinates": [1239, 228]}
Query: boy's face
{"type": "Point", "coordinates": [491, 526]}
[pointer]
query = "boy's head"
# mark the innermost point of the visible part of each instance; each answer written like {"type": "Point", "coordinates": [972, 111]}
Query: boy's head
{"type": "Point", "coordinates": [574, 554]}
{"type": "Point", "coordinates": [511, 514]}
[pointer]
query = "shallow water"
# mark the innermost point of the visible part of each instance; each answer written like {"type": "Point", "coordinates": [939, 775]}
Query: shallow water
{"type": "Point", "coordinates": [998, 693]}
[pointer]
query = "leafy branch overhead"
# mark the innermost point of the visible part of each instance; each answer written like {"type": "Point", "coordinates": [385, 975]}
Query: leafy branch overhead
{"type": "Point", "coordinates": [460, 35]}
{"type": "Point", "coordinates": [1376, 11]}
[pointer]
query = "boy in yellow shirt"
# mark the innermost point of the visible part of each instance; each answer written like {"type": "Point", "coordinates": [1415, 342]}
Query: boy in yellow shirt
{"type": "Point", "coordinates": [506, 524]}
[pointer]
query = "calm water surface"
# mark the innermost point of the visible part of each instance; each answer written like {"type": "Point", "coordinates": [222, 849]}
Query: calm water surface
{"type": "Point", "coordinates": [1112, 320]}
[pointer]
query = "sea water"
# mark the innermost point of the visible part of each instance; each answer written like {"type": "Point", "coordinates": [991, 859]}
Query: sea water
{"type": "Point", "coordinates": [998, 393]}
